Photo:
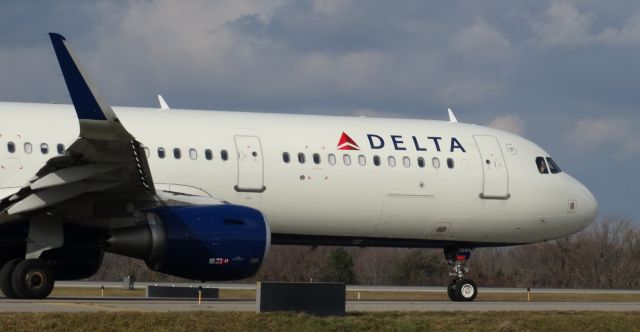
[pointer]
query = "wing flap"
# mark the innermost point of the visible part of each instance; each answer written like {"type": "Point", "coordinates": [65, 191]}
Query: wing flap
{"type": "Point", "coordinates": [72, 174]}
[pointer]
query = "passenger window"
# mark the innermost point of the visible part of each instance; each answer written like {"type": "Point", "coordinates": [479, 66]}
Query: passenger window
{"type": "Point", "coordinates": [392, 161]}
{"type": "Point", "coordinates": [435, 162]}
{"type": "Point", "coordinates": [346, 159]}
{"type": "Point", "coordinates": [301, 158]}
{"type": "Point", "coordinates": [553, 167]}
{"type": "Point", "coordinates": [542, 165]}
{"type": "Point", "coordinates": [316, 158]}
{"type": "Point", "coordinates": [208, 154]}
{"type": "Point", "coordinates": [44, 148]}
{"type": "Point", "coordinates": [28, 148]}
{"type": "Point", "coordinates": [406, 161]}
{"type": "Point", "coordinates": [286, 157]}
{"type": "Point", "coordinates": [193, 154]}
{"type": "Point", "coordinates": [450, 163]}
{"type": "Point", "coordinates": [161, 153]}
{"type": "Point", "coordinates": [11, 147]}
{"type": "Point", "coordinates": [176, 153]}
{"type": "Point", "coordinates": [60, 148]}
{"type": "Point", "coordinates": [376, 160]}
{"type": "Point", "coordinates": [362, 160]}
{"type": "Point", "coordinates": [224, 155]}
{"type": "Point", "coordinates": [420, 162]}
{"type": "Point", "coordinates": [332, 159]}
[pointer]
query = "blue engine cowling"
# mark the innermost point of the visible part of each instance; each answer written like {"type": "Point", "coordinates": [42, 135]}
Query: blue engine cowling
{"type": "Point", "coordinates": [211, 242]}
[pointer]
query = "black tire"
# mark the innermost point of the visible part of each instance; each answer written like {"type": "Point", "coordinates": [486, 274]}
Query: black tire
{"type": "Point", "coordinates": [5, 279]}
{"type": "Point", "coordinates": [451, 290]}
{"type": "Point", "coordinates": [466, 290]}
{"type": "Point", "coordinates": [32, 279]}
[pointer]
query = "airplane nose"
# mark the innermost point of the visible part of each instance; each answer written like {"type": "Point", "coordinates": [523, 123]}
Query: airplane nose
{"type": "Point", "coordinates": [589, 206]}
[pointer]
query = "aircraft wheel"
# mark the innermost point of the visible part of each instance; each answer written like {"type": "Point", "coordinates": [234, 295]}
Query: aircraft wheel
{"type": "Point", "coordinates": [451, 290]}
{"type": "Point", "coordinates": [32, 279]}
{"type": "Point", "coordinates": [466, 290]}
{"type": "Point", "coordinates": [5, 279]}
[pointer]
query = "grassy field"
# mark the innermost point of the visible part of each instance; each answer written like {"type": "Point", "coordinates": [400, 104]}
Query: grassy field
{"type": "Point", "coordinates": [406, 321]}
{"type": "Point", "coordinates": [402, 296]}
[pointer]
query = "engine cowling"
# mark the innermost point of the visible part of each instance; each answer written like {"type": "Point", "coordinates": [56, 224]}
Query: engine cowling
{"type": "Point", "coordinates": [208, 243]}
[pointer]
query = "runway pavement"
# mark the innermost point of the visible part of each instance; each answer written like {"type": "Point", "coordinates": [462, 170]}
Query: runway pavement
{"type": "Point", "coordinates": [97, 304]}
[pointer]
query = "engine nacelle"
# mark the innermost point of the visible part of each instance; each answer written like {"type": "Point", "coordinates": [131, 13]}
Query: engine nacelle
{"type": "Point", "coordinates": [210, 242]}
{"type": "Point", "coordinates": [73, 263]}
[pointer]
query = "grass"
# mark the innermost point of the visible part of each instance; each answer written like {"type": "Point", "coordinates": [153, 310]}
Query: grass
{"type": "Point", "coordinates": [389, 321]}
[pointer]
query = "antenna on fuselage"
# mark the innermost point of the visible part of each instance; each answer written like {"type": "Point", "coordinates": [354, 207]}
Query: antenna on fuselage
{"type": "Point", "coordinates": [452, 117]}
{"type": "Point", "coordinates": [163, 104]}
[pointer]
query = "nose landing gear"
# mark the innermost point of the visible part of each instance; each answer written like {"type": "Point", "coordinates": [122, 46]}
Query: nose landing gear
{"type": "Point", "coordinates": [459, 288]}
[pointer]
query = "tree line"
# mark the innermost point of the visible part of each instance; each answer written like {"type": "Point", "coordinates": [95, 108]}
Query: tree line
{"type": "Point", "coordinates": [605, 255]}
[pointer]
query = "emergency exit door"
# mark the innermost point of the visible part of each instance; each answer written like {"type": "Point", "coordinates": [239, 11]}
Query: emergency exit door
{"type": "Point", "coordinates": [494, 168]}
{"type": "Point", "coordinates": [250, 164]}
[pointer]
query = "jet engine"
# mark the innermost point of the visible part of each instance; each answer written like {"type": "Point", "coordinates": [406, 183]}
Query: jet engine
{"type": "Point", "coordinates": [201, 242]}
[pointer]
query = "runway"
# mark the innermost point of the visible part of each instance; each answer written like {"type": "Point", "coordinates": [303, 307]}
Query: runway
{"type": "Point", "coordinates": [100, 304]}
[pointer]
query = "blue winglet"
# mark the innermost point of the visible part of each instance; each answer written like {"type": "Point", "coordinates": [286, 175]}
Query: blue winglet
{"type": "Point", "coordinates": [84, 100]}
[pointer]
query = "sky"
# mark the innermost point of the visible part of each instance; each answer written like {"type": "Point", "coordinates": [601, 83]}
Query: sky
{"type": "Point", "coordinates": [564, 74]}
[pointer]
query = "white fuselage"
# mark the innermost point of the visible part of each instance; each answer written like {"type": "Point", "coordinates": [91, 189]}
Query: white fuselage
{"type": "Point", "coordinates": [493, 193]}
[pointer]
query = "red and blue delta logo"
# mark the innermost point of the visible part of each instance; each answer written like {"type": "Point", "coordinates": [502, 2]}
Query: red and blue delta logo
{"type": "Point", "coordinates": [403, 143]}
{"type": "Point", "coordinates": [347, 143]}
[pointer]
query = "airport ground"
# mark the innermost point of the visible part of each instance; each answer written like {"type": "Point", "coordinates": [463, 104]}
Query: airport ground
{"type": "Point", "coordinates": [83, 307]}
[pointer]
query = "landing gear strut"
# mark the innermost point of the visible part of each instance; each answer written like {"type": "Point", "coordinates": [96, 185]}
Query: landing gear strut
{"type": "Point", "coordinates": [459, 288]}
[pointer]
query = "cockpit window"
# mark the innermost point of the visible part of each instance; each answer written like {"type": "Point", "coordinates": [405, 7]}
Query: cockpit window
{"type": "Point", "coordinates": [553, 167]}
{"type": "Point", "coordinates": [542, 165]}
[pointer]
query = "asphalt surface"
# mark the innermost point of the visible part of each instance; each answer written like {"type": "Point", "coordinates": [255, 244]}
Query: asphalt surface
{"type": "Point", "coordinates": [99, 304]}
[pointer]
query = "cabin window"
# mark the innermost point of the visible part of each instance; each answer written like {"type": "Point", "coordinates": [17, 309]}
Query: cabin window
{"type": "Point", "coordinates": [332, 159]}
{"type": "Point", "coordinates": [60, 148]}
{"type": "Point", "coordinates": [193, 154]}
{"type": "Point", "coordinates": [376, 160]}
{"type": "Point", "coordinates": [362, 160]}
{"type": "Point", "coordinates": [177, 153]}
{"type": "Point", "coordinates": [346, 159]}
{"type": "Point", "coordinates": [301, 158]}
{"type": "Point", "coordinates": [208, 154]}
{"type": "Point", "coordinates": [147, 152]}
{"type": "Point", "coordinates": [316, 158]}
{"type": "Point", "coordinates": [392, 161]}
{"type": "Point", "coordinates": [28, 148]}
{"type": "Point", "coordinates": [286, 157]}
{"type": "Point", "coordinates": [542, 165]}
{"type": "Point", "coordinates": [406, 161]}
{"type": "Point", "coordinates": [435, 162]}
{"type": "Point", "coordinates": [161, 153]}
{"type": "Point", "coordinates": [11, 147]}
{"type": "Point", "coordinates": [44, 148]}
{"type": "Point", "coordinates": [450, 163]}
{"type": "Point", "coordinates": [420, 162]}
{"type": "Point", "coordinates": [553, 167]}
{"type": "Point", "coordinates": [224, 155]}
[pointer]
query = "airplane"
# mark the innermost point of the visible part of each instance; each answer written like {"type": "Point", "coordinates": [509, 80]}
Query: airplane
{"type": "Point", "coordinates": [203, 194]}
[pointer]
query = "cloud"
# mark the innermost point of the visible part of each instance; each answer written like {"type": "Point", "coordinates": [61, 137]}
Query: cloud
{"type": "Point", "coordinates": [510, 123]}
{"type": "Point", "coordinates": [563, 25]}
{"type": "Point", "coordinates": [595, 133]}
{"type": "Point", "coordinates": [482, 40]}
{"type": "Point", "coordinates": [629, 33]}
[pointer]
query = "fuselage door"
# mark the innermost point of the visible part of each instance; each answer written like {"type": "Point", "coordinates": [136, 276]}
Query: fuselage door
{"type": "Point", "coordinates": [494, 168]}
{"type": "Point", "coordinates": [250, 164]}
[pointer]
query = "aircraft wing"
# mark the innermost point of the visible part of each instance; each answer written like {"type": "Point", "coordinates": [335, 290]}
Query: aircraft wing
{"type": "Point", "coordinates": [105, 170]}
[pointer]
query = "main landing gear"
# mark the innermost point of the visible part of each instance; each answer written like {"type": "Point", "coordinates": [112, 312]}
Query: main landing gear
{"type": "Point", "coordinates": [459, 288]}
{"type": "Point", "coordinates": [26, 279]}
